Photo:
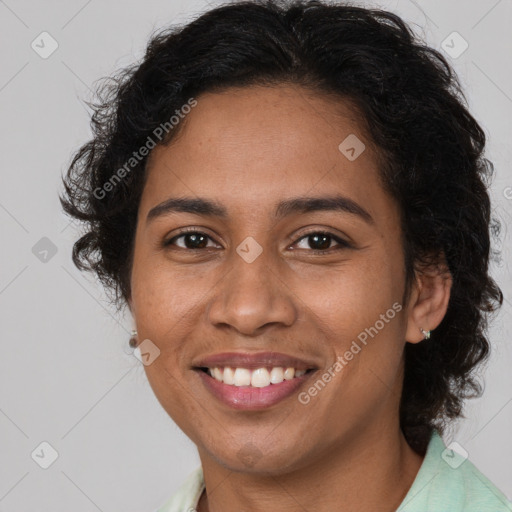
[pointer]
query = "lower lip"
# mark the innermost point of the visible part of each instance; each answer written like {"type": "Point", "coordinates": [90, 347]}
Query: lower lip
{"type": "Point", "coordinates": [248, 397]}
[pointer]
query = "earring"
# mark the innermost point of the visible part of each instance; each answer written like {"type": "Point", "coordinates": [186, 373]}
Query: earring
{"type": "Point", "coordinates": [425, 333]}
{"type": "Point", "coordinates": [133, 339]}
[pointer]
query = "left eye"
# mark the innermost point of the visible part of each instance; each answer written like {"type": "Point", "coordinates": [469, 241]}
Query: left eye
{"type": "Point", "coordinates": [321, 241]}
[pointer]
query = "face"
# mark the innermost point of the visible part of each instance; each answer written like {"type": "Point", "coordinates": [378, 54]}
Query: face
{"type": "Point", "coordinates": [265, 278]}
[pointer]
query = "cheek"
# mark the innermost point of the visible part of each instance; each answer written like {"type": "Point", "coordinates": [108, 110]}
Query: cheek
{"type": "Point", "coordinates": [357, 309]}
{"type": "Point", "coordinates": [348, 299]}
{"type": "Point", "coordinates": [164, 296]}
{"type": "Point", "coordinates": [166, 306]}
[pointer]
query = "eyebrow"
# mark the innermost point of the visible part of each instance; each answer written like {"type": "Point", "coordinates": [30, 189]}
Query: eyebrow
{"type": "Point", "coordinates": [209, 208]}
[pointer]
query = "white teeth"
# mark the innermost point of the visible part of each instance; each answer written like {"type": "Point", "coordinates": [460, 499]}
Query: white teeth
{"type": "Point", "coordinates": [258, 378]}
{"type": "Point", "coordinates": [242, 377]}
{"type": "Point", "coordinates": [276, 375]}
{"type": "Point", "coordinates": [229, 375]}
{"type": "Point", "coordinates": [289, 373]}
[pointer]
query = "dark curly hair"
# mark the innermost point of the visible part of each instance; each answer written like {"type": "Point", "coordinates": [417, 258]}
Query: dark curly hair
{"type": "Point", "coordinates": [410, 101]}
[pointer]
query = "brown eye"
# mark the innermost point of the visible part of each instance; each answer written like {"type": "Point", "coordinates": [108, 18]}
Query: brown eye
{"type": "Point", "coordinates": [191, 240]}
{"type": "Point", "coordinates": [320, 242]}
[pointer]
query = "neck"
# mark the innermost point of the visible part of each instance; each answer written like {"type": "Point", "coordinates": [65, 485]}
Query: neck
{"type": "Point", "coordinates": [373, 470]}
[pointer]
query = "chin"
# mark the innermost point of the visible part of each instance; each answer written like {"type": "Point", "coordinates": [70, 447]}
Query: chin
{"type": "Point", "coordinates": [254, 457]}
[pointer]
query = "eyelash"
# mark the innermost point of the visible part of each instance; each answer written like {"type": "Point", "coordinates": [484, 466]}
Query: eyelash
{"type": "Point", "coordinates": [343, 244]}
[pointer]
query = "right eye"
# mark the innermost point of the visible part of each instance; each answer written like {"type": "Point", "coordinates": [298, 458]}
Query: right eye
{"type": "Point", "coordinates": [192, 240]}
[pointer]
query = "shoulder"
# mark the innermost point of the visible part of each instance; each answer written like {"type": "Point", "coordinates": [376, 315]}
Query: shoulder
{"type": "Point", "coordinates": [186, 497]}
{"type": "Point", "coordinates": [449, 482]}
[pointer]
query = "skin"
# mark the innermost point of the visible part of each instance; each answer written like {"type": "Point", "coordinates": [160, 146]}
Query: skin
{"type": "Point", "coordinates": [249, 148]}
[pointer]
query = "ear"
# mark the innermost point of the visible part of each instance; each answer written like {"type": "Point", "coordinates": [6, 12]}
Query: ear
{"type": "Point", "coordinates": [429, 299]}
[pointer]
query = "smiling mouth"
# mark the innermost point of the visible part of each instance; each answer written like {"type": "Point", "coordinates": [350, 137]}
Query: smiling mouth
{"type": "Point", "coordinates": [254, 378]}
{"type": "Point", "coordinates": [252, 389]}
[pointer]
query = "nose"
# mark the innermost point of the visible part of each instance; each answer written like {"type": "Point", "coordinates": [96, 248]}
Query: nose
{"type": "Point", "coordinates": [252, 297]}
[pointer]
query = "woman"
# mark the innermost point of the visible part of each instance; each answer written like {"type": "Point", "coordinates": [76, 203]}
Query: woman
{"type": "Point", "coordinates": [290, 198]}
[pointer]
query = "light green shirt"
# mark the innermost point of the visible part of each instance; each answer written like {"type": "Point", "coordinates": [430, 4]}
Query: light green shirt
{"type": "Point", "coordinates": [446, 482]}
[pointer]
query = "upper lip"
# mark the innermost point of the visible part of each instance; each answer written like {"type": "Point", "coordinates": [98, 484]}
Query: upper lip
{"type": "Point", "coordinates": [253, 360]}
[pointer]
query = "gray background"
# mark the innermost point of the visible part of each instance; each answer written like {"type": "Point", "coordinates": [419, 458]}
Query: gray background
{"type": "Point", "coordinates": [66, 373]}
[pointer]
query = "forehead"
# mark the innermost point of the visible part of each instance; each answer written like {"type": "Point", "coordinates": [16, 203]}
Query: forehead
{"type": "Point", "coordinates": [247, 147]}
